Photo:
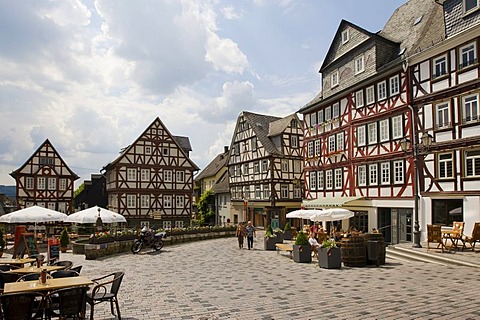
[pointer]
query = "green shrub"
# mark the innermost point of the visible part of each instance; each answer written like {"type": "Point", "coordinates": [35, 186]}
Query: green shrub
{"type": "Point", "coordinates": [64, 238]}
{"type": "Point", "coordinates": [301, 239]}
{"type": "Point", "coordinates": [287, 227]}
{"type": "Point", "coordinates": [269, 232]}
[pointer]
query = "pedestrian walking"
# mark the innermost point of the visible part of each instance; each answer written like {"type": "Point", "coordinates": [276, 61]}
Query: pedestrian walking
{"type": "Point", "coordinates": [240, 233]}
{"type": "Point", "coordinates": [250, 234]}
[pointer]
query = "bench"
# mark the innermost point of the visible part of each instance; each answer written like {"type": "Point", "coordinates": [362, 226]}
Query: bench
{"type": "Point", "coordinates": [284, 247]}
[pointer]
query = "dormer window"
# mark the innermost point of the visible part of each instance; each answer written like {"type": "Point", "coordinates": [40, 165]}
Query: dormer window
{"type": "Point", "coordinates": [470, 5]}
{"type": "Point", "coordinates": [334, 78]}
{"type": "Point", "coordinates": [359, 64]}
{"type": "Point", "coordinates": [345, 36]}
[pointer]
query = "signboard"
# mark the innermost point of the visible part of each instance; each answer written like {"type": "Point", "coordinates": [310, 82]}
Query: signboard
{"type": "Point", "coordinates": [53, 251]}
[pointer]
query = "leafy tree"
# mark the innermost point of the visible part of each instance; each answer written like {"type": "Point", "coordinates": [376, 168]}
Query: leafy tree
{"type": "Point", "coordinates": [79, 189]}
{"type": "Point", "coordinates": [205, 205]}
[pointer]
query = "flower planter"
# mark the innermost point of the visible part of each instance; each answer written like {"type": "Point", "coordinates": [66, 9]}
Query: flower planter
{"type": "Point", "coordinates": [101, 240]}
{"type": "Point", "coordinates": [302, 253]}
{"type": "Point", "coordinates": [287, 235]}
{"type": "Point", "coordinates": [269, 243]}
{"type": "Point", "coordinates": [329, 258]}
{"type": "Point", "coordinates": [279, 237]}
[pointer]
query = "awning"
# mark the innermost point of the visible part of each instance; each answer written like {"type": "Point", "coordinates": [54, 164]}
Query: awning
{"type": "Point", "coordinates": [328, 202]}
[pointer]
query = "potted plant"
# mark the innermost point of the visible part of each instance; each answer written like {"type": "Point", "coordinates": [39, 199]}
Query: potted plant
{"type": "Point", "coordinates": [302, 250]}
{"type": "Point", "coordinates": [329, 256]}
{"type": "Point", "coordinates": [2, 242]}
{"type": "Point", "coordinates": [270, 239]}
{"type": "Point", "coordinates": [278, 234]}
{"type": "Point", "coordinates": [64, 240]}
{"type": "Point", "coordinates": [287, 231]}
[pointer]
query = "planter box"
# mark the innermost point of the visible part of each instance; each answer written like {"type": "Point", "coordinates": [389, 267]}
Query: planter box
{"type": "Point", "coordinates": [269, 243]}
{"type": "Point", "coordinates": [329, 258]}
{"type": "Point", "coordinates": [302, 253]}
{"type": "Point", "coordinates": [287, 235]}
{"type": "Point", "coordinates": [279, 237]}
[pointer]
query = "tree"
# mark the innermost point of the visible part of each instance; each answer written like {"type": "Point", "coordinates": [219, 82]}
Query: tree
{"type": "Point", "coordinates": [79, 189]}
{"type": "Point", "coordinates": [205, 205]}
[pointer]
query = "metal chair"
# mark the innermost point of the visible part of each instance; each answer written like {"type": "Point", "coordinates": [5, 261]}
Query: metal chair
{"type": "Point", "coordinates": [102, 293]}
{"type": "Point", "coordinates": [67, 303]}
{"type": "Point", "coordinates": [8, 267]}
{"type": "Point", "coordinates": [29, 277]}
{"type": "Point", "coordinates": [77, 269]}
{"type": "Point", "coordinates": [65, 263]}
{"type": "Point", "coordinates": [64, 274]}
{"type": "Point", "coordinates": [22, 306]}
{"type": "Point", "coordinates": [6, 277]}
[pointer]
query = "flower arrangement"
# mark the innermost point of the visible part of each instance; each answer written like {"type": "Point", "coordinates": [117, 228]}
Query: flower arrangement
{"type": "Point", "coordinates": [277, 231]}
{"type": "Point", "coordinates": [301, 239]}
{"type": "Point", "coordinates": [328, 244]}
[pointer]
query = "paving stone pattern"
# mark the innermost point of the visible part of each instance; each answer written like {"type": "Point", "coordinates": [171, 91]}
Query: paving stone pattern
{"type": "Point", "coordinates": [213, 279]}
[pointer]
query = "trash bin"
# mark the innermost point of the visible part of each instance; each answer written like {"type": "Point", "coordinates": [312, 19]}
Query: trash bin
{"type": "Point", "coordinates": [373, 251]}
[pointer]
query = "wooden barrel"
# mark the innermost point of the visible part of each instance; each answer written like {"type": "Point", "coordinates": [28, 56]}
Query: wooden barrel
{"type": "Point", "coordinates": [353, 252]}
{"type": "Point", "coordinates": [381, 242]}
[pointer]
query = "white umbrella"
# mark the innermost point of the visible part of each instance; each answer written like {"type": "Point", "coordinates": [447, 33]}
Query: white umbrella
{"type": "Point", "coordinates": [332, 214]}
{"type": "Point", "coordinates": [456, 210]}
{"type": "Point", "coordinates": [303, 213]}
{"type": "Point", "coordinates": [90, 215]}
{"type": "Point", "coordinates": [34, 214]}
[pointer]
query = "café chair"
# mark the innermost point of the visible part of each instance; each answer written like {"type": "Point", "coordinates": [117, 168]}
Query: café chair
{"type": "Point", "coordinates": [69, 303]}
{"type": "Point", "coordinates": [29, 277]}
{"type": "Point", "coordinates": [23, 305]}
{"type": "Point", "coordinates": [6, 277]}
{"type": "Point", "coordinates": [77, 269]}
{"type": "Point", "coordinates": [64, 274]}
{"type": "Point", "coordinates": [106, 290]}
{"type": "Point", "coordinates": [64, 263]}
{"type": "Point", "coordinates": [474, 238]}
{"type": "Point", "coordinates": [434, 235]}
{"type": "Point", "coordinates": [8, 267]}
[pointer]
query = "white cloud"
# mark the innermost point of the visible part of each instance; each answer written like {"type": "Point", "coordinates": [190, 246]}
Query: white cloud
{"type": "Point", "coordinates": [230, 13]}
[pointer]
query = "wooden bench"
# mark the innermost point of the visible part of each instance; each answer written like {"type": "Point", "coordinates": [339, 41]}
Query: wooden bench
{"type": "Point", "coordinates": [284, 247]}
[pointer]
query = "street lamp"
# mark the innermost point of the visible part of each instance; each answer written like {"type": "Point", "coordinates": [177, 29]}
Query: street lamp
{"type": "Point", "coordinates": [419, 149]}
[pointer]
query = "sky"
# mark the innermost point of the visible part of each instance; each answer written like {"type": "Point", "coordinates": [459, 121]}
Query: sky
{"type": "Point", "coordinates": [92, 75]}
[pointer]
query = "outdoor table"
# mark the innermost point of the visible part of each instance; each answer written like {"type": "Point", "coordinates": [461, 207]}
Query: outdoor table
{"type": "Point", "coordinates": [454, 236]}
{"type": "Point", "coordinates": [20, 262]}
{"type": "Point", "coordinates": [50, 285]}
{"type": "Point", "coordinates": [34, 269]}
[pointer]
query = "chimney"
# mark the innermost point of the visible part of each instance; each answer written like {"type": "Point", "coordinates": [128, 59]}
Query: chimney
{"type": "Point", "coordinates": [225, 149]}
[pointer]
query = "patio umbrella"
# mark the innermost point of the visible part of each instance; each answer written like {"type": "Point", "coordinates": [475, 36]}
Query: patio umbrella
{"type": "Point", "coordinates": [456, 210]}
{"type": "Point", "coordinates": [33, 214]}
{"type": "Point", "coordinates": [90, 215]}
{"type": "Point", "coordinates": [303, 213]}
{"type": "Point", "coordinates": [332, 214]}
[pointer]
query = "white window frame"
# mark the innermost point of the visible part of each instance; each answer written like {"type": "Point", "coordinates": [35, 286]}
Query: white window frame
{"type": "Point", "coordinates": [345, 36]}
{"type": "Point", "coordinates": [335, 110]}
{"type": "Point", "coordinates": [167, 176]}
{"type": "Point", "coordinates": [470, 111]}
{"type": "Point", "coordinates": [397, 127]}
{"type": "Point", "coordinates": [313, 180]}
{"type": "Point", "coordinates": [179, 201]}
{"type": "Point", "coordinates": [370, 95]}
{"type": "Point", "coordinates": [145, 201]}
{"type": "Point", "coordinates": [320, 116]}
{"type": "Point", "coordinates": [264, 165]}
{"type": "Point", "coordinates": [359, 99]}
{"type": "Point", "coordinates": [294, 141]}
{"type": "Point", "coordinates": [467, 55]}
{"type": "Point", "coordinates": [471, 161]}
{"type": "Point", "coordinates": [62, 184]}
{"type": "Point", "coordinates": [285, 166]}
{"type": "Point", "coordinates": [340, 141]}
{"type": "Point", "coordinates": [131, 201]}
{"type": "Point", "coordinates": [256, 167]}
{"type": "Point", "coordinates": [372, 133]}
{"type": "Point", "coordinates": [258, 192]}
{"type": "Point", "coordinates": [318, 148]}
{"type": "Point", "coordinates": [167, 225]}
{"type": "Point", "coordinates": [385, 173]}
{"type": "Point", "coordinates": [398, 171]}
{"type": "Point", "coordinates": [266, 191]}
{"type": "Point", "coordinates": [41, 183]}
{"type": "Point", "coordinates": [373, 174]}
{"type": "Point", "coordinates": [284, 191]}
{"type": "Point", "coordinates": [148, 150]}
{"type": "Point", "coordinates": [331, 143]}
{"type": "Point", "coordinates": [180, 176]}
{"type": "Point", "coordinates": [362, 175]}
{"type": "Point", "coordinates": [361, 136]}
{"type": "Point", "coordinates": [334, 79]}
{"type": "Point", "coordinates": [145, 175]}
{"type": "Point", "coordinates": [384, 125]}
{"type": "Point", "coordinates": [439, 66]}
{"type": "Point", "coordinates": [320, 184]}
{"type": "Point", "coordinates": [442, 115]}
{"type": "Point", "coordinates": [382, 90]}
{"type": "Point", "coordinates": [328, 113]}
{"type": "Point", "coordinates": [473, 3]}
{"type": "Point", "coordinates": [310, 149]}
{"type": "Point", "coordinates": [329, 179]}
{"type": "Point", "coordinates": [52, 183]}
{"type": "Point", "coordinates": [445, 165]}
{"type": "Point", "coordinates": [359, 63]}
{"type": "Point", "coordinates": [131, 174]}
{"type": "Point", "coordinates": [167, 201]}
{"type": "Point", "coordinates": [394, 85]}
{"type": "Point", "coordinates": [29, 181]}
{"type": "Point", "coordinates": [338, 178]}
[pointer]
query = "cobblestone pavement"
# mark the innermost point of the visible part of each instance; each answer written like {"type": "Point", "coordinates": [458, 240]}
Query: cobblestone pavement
{"type": "Point", "coordinates": [213, 279]}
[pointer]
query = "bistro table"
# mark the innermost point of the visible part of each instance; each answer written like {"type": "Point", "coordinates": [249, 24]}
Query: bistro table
{"type": "Point", "coordinates": [50, 285]}
{"type": "Point", "coordinates": [19, 262]}
{"type": "Point", "coordinates": [454, 236]}
{"type": "Point", "coordinates": [34, 269]}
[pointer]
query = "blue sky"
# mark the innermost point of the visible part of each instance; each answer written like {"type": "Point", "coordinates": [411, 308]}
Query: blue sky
{"type": "Point", "coordinates": [91, 75]}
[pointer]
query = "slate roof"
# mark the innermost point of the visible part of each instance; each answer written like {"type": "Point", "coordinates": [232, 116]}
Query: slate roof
{"type": "Point", "coordinates": [223, 184]}
{"type": "Point", "coordinates": [214, 166]}
{"type": "Point", "coordinates": [260, 125]}
{"type": "Point", "coordinates": [184, 143]}
{"type": "Point", "coordinates": [278, 127]}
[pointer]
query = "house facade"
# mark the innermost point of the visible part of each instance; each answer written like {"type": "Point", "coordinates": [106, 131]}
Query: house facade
{"type": "Point", "coordinates": [265, 168]}
{"type": "Point", "coordinates": [151, 181]}
{"type": "Point", "coordinates": [45, 180]}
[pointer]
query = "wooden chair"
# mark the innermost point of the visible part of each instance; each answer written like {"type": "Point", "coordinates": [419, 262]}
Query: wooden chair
{"type": "Point", "coordinates": [434, 235]}
{"type": "Point", "coordinates": [106, 290]}
{"type": "Point", "coordinates": [474, 238]}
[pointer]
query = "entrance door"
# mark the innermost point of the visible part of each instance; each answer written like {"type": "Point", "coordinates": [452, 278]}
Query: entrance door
{"type": "Point", "coordinates": [395, 224]}
{"type": "Point", "coordinates": [405, 225]}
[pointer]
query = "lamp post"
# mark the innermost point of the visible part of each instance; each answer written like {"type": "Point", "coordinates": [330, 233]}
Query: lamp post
{"type": "Point", "coordinates": [418, 149]}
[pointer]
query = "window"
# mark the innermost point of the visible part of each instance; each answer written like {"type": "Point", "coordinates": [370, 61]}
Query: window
{"type": "Point", "coordinates": [313, 120]}
{"type": "Point", "coordinates": [297, 166]}
{"type": "Point", "coordinates": [384, 130]}
{"type": "Point", "coordinates": [362, 175]}
{"type": "Point", "coordinates": [256, 167]}
{"type": "Point", "coordinates": [179, 224]}
{"type": "Point", "coordinates": [167, 201]}
{"type": "Point", "coordinates": [361, 141]}
{"type": "Point", "coordinates": [297, 192]}
{"type": "Point", "coordinates": [320, 116]}
{"type": "Point", "coordinates": [328, 113]}
{"type": "Point", "coordinates": [338, 178]}
{"type": "Point", "coordinates": [398, 171]}
{"type": "Point", "coordinates": [345, 36]}
{"type": "Point", "coordinates": [394, 85]}
{"type": "Point", "coordinates": [373, 174]}
{"type": "Point", "coordinates": [41, 183]}
{"type": "Point", "coordinates": [439, 66]}
{"type": "Point", "coordinates": [145, 201]}
{"type": "Point", "coordinates": [317, 148]}
{"type": "Point", "coordinates": [29, 183]}
{"type": "Point", "coordinates": [472, 163]}
{"type": "Point", "coordinates": [329, 179]}
{"type": "Point", "coordinates": [62, 184]}
{"type": "Point", "coordinates": [258, 192]}
{"type": "Point", "coordinates": [359, 64]}
{"type": "Point", "coordinates": [148, 150]}
{"type": "Point", "coordinates": [334, 78]}
{"type": "Point", "coordinates": [319, 180]}
{"type": "Point", "coordinates": [284, 165]}
{"type": "Point", "coordinates": [336, 110]}
{"type": "Point", "coordinates": [470, 5]}
{"type": "Point", "coordinates": [131, 203]}
{"type": "Point", "coordinates": [180, 176]}
{"type": "Point", "coordinates": [372, 133]}
{"type": "Point", "coordinates": [284, 191]}
{"type": "Point", "coordinates": [167, 176]}
{"type": "Point", "coordinates": [359, 99]}
{"type": "Point", "coordinates": [467, 55]}
{"type": "Point", "coordinates": [397, 127]}
{"type": "Point", "coordinates": [313, 180]}
{"type": "Point", "coordinates": [470, 108]}
{"type": "Point", "coordinates": [131, 174]}
{"type": "Point", "coordinates": [445, 165]}
{"type": "Point", "coordinates": [264, 165]}
{"type": "Point", "coordinates": [165, 151]}
{"type": "Point", "coordinates": [52, 183]}
{"type": "Point", "coordinates": [331, 143]}
{"type": "Point", "coordinates": [443, 115]}
{"type": "Point", "coordinates": [340, 141]}
{"type": "Point", "coordinates": [245, 169]}
{"type": "Point", "coordinates": [167, 225]}
{"type": "Point", "coordinates": [382, 90]}
{"type": "Point", "coordinates": [385, 172]}
{"type": "Point", "coordinates": [294, 141]}
{"type": "Point", "coordinates": [145, 174]}
{"type": "Point", "coordinates": [180, 202]}
{"type": "Point", "coordinates": [266, 191]}
{"type": "Point", "coordinates": [370, 95]}
{"type": "Point", "coordinates": [310, 149]}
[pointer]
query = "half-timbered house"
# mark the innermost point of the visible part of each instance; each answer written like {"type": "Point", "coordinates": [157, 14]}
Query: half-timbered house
{"type": "Point", "coordinates": [445, 95]}
{"type": "Point", "coordinates": [45, 180]}
{"type": "Point", "coordinates": [151, 181]}
{"type": "Point", "coordinates": [353, 128]}
{"type": "Point", "coordinates": [265, 167]}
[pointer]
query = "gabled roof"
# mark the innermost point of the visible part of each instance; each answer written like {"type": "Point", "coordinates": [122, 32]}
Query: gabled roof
{"type": "Point", "coordinates": [214, 166]}
{"type": "Point", "coordinates": [278, 127]}
{"type": "Point", "coordinates": [44, 144]}
{"type": "Point", "coordinates": [260, 124]}
{"type": "Point", "coordinates": [183, 144]}
{"type": "Point", "coordinates": [223, 184]}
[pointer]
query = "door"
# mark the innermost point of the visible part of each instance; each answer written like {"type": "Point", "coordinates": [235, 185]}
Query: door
{"type": "Point", "coordinates": [405, 225]}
